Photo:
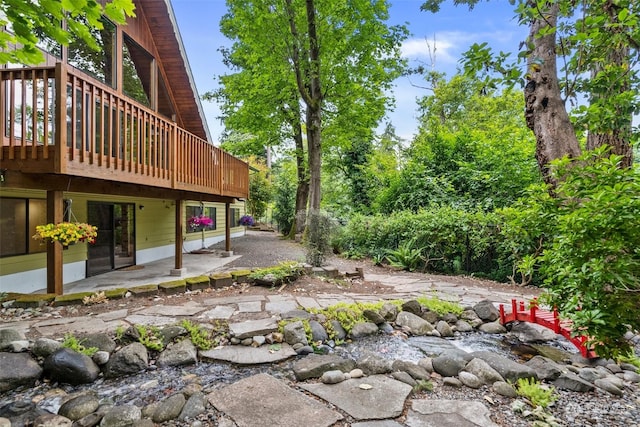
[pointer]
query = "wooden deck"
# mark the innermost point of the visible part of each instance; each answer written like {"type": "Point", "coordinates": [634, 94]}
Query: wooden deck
{"type": "Point", "coordinates": [56, 122]}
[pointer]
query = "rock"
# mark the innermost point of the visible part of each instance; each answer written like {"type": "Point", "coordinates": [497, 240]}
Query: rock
{"type": "Point", "coordinates": [417, 372]}
{"type": "Point", "coordinates": [178, 354]}
{"type": "Point", "coordinates": [416, 324]}
{"type": "Point", "coordinates": [570, 381]}
{"type": "Point", "coordinates": [43, 347]}
{"type": "Point", "coordinates": [451, 362]}
{"type": "Point", "coordinates": [251, 328]}
{"type": "Point", "coordinates": [313, 366]}
{"type": "Point", "coordinates": [121, 416]}
{"type": "Point", "coordinates": [472, 317]}
{"type": "Point", "coordinates": [130, 359]}
{"type": "Point", "coordinates": [470, 380]}
{"type": "Point", "coordinates": [632, 377]}
{"type": "Point", "coordinates": [294, 333]}
{"type": "Point", "coordinates": [607, 385]}
{"type": "Point", "coordinates": [318, 333]}
{"type": "Point", "coordinates": [363, 329]}
{"type": "Point", "coordinates": [373, 316]}
{"type": "Point", "coordinates": [404, 377]}
{"type": "Point", "coordinates": [452, 382]}
{"type": "Point", "coordinates": [430, 316]}
{"type": "Point", "coordinates": [52, 420]}
{"type": "Point", "coordinates": [171, 332]}
{"type": "Point", "coordinates": [372, 364]}
{"type": "Point", "coordinates": [258, 340]}
{"type": "Point", "coordinates": [304, 350]}
{"type": "Point", "coordinates": [101, 358]}
{"type": "Point", "coordinates": [444, 329]}
{"type": "Point", "coordinates": [483, 371]}
{"type": "Point", "coordinates": [195, 405]}
{"type": "Point", "coordinates": [79, 406]}
{"type": "Point", "coordinates": [21, 413]}
{"type": "Point", "coordinates": [332, 377]}
{"type": "Point", "coordinates": [250, 355]}
{"type": "Point", "coordinates": [546, 368]}
{"type": "Point", "coordinates": [507, 368]}
{"type": "Point", "coordinates": [614, 368]}
{"type": "Point", "coordinates": [356, 373]}
{"type": "Point", "coordinates": [432, 412]}
{"type": "Point", "coordinates": [9, 335]}
{"type": "Point", "coordinates": [492, 328]}
{"type": "Point", "coordinates": [426, 363]}
{"type": "Point", "coordinates": [504, 389]}
{"type": "Point", "coordinates": [90, 420]}
{"type": "Point", "coordinates": [413, 307]}
{"type": "Point", "coordinates": [338, 330]}
{"type": "Point", "coordinates": [169, 408]}
{"type": "Point", "coordinates": [389, 312]}
{"type": "Point", "coordinates": [101, 341]}
{"type": "Point", "coordinates": [18, 346]}
{"type": "Point", "coordinates": [532, 332]}
{"type": "Point", "coordinates": [590, 374]}
{"type": "Point", "coordinates": [486, 311]}
{"type": "Point", "coordinates": [463, 326]}
{"type": "Point", "coordinates": [71, 367]}
{"type": "Point", "coordinates": [18, 369]}
{"type": "Point", "coordinates": [386, 328]}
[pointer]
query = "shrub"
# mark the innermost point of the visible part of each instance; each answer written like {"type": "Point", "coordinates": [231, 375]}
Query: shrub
{"type": "Point", "coordinates": [317, 238]}
{"type": "Point", "coordinates": [536, 393]}
{"type": "Point", "coordinates": [75, 344]}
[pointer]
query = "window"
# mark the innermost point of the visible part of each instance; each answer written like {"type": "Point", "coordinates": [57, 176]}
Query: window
{"type": "Point", "coordinates": [101, 63]}
{"type": "Point", "coordinates": [137, 64]}
{"type": "Point", "coordinates": [18, 220]}
{"type": "Point", "coordinates": [235, 217]}
{"type": "Point", "coordinates": [200, 218]}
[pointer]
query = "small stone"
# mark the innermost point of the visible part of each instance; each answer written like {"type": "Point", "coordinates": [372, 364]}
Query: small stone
{"type": "Point", "coordinates": [504, 389]}
{"type": "Point", "coordinates": [365, 386]}
{"type": "Point", "coordinates": [452, 382]}
{"type": "Point", "coordinates": [332, 377]}
{"type": "Point", "coordinates": [404, 377]}
{"type": "Point", "coordinates": [246, 342]}
{"type": "Point", "coordinates": [356, 373]}
{"type": "Point", "coordinates": [304, 350]}
{"type": "Point", "coordinates": [258, 340]}
{"type": "Point", "coordinates": [469, 380]}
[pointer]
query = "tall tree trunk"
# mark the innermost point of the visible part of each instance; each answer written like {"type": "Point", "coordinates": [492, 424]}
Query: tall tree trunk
{"type": "Point", "coordinates": [618, 134]}
{"type": "Point", "coordinates": [314, 108]}
{"type": "Point", "coordinates": [545, 110]}
{"type": "Point", "coordinates": [302, 190]}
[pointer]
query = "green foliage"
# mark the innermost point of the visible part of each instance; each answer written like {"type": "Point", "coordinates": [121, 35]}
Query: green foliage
{"type": "Point", "coordinates": [440, 306]}
{"type": "Point", "coordinates": [407, 256]}
{"type": "Point", "coordinates": [423, 385]}
{"type": "Point", "coordinates": [284, 210]}
{"type": "Point", "coordinates": [317, 237]}
{"type": "Point", "coordinates": [348, 314]}
{"type": "Point", "coordinates": [119, 333]}
{"type": "Point", "coordinates": [150, 337]}
{"type": "Point", "coordinates": [631, 358]}
{"type": "Point", "coordinates": [260, 193]}
{"type": "Point", "coordinates": [75, 344]}
{"type": "Point", "coordinates": [32, 22]}
{"type": "Point", "coordinates": [285, 269]}
{"type": "Point", "coordinates": [200, 337]}
{"type": "Point", "coordinates": [590, 235]}
{"type": "Point", "coordinates": [537, 394]}
{"type": "Point", "coordinates": [452, 240]}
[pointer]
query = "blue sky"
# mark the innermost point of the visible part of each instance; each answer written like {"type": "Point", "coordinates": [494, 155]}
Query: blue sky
{"type": "Point", "coordinates": [454, 29]}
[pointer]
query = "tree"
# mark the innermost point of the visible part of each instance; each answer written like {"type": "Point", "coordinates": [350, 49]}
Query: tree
{"type": "Point", "coordinates": [335, 59]}
{"type": "Point", "coordinates": [598, 42]}
{"type": "Point", "coordinates": [260, 190]}
{"type": "Point", "coordinates": [33, 21]}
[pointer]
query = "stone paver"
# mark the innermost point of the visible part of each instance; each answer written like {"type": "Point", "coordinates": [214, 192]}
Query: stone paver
{"type": "Point", "coordinates": [308, 302]}
{"type": "Point", "coordinates": [78, 325]}
{"type": "Point", "coordinates": [250, 355]}
{"type": "Point", "coordinates": [385, 398]}
{"type": "Point", "coordinates": [281, 307]}
{"type": "Point", "coordinates": [220, 312]}
{"type": "Point", "coordinates": [172, 310]}
{"type": "Point", "coordinates": [448, 413]}
{"type": "Point", "coordinates": [141, 319]}
{"type": "Point", "coordinates": [233, 299]}
{"type": "Point", "coordinates": [264, 400]}
{"type": "Point", "coordinates": [251, 328]}
{"type": "Point", "coordinates": [379, 423]}
{"type": "Point", "coordinates": [250, 307]}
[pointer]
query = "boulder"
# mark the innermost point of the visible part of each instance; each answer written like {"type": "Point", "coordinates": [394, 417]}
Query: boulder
{"type": "Point", "coordinates": [507, 368]}
{"type": "Point", "coordinates": [313, 366]}
{"type": "Point", "coordinates": [18, 369]}
{"type": "Point", "coordinates": [130, 359]}
{"type": "Point", "coordinates": [71, 367]}
{"type": "Point", "coordinates": [363, 329]}
{"type": "Point", "coordinates": [416, 324]}
{"type": "Point", "coordinates": [178, 354]}
{"type": "Point", "coordinates": [483, 371]}
{"type": "Point", "coordinates": [486, 311]}
{"type": "Point", "coordinates": [294, 333]}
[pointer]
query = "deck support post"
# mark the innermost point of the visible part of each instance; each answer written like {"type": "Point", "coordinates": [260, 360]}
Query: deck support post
{"type": "Point", "coordinates": [178, 270]}
{"type": "Point", "coordinates": [54, 249]}
{"type": "Point", "coordinates": [227, 230]}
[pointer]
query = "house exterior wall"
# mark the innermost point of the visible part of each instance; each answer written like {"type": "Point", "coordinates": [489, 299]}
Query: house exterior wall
{"type": "Point", "coordinates": [154, 238]}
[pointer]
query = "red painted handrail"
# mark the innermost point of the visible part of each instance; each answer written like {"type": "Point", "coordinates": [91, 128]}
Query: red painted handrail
{"type": "Point", "coordinates": [548, 319]}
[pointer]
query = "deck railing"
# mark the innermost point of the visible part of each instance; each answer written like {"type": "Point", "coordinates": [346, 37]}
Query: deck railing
{"type": "Point", "coordinates": [55, 120]}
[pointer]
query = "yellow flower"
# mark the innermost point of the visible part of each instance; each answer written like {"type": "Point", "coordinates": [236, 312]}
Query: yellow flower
{"type": "Point", "coordinates": [67, 232]}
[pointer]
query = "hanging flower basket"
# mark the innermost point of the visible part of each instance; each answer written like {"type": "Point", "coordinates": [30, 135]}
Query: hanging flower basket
{"type": "Point", "coordinates": [246, 220]}
{"type": "Point", "coordinates": [67, 233]}
{"type": "Point", "coordinates": [200, 222]}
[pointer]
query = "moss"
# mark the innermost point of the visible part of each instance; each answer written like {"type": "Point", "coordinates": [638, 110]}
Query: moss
{"type": "Point", "coordinates": [198, 282]}
{"type": "Point", "coordinates": [241, 276]}
{"type": "Point", "coordinates": [221, 276]}
{"type": "Point", "coordinates": [118, 293]}
{"type": "Point", "coordinates": [144, 290]}
{"type": "Point", "coordinates": [70, 299]}
{"type": "Point", "coordinates": [173, 287]}
{"type": "Point", "coordinates": [8, 296]}
{"type": "Point", "coordinates": [221, 280]}
{"type": "Point", "coordinates": [34, 300]}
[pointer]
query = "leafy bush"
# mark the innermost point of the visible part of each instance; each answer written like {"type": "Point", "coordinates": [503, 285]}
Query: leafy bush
{"type": "Point", "coordinates": [73, 343]}
{"type": "Point", "coordinates": [407, 256]}
{"type": "Point", "coordinates": [589, 235]}
{"type": "Point", "coordinates": [536, 393]}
